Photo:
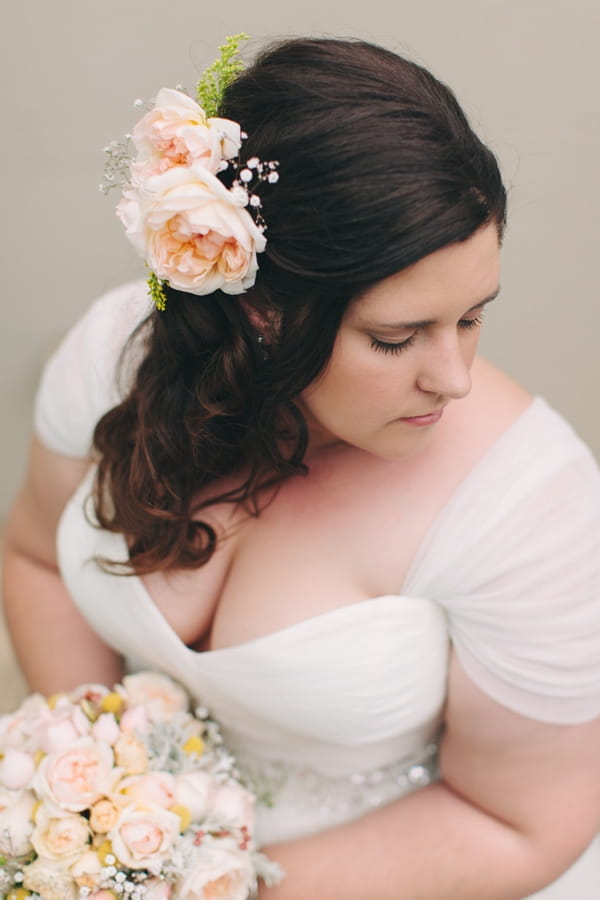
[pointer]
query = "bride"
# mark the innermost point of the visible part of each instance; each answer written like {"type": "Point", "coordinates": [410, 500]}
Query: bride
{"type": "Point", "coordinates": [295, 487]}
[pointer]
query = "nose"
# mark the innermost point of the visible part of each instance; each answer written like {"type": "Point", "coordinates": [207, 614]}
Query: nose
{"type": "Point", "coordinates": [445, 368]}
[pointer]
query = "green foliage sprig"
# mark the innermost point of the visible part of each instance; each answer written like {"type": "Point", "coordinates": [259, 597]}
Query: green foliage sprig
{"type": "Point", "coordinates": [156, 289]}
{"type": "Point", "coordinates": [214, 81]}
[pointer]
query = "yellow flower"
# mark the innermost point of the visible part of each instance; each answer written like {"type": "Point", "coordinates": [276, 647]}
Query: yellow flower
{"type": "Point", "coordinates": [105, 849]}
{"type": "Point", "coordinates": [54, 698]}
{"type": "Point", "coordinates": [111, 702]}
{"type": "Point", "coordinates": [18, 894]}
{"type": "Point", "coordinates": [194, 744]}
{"type": "Point", "coordinates": [185, 816]}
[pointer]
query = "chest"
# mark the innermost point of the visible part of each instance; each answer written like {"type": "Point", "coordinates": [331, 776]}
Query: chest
{"type": "Point", "coordinates": [347, 532]}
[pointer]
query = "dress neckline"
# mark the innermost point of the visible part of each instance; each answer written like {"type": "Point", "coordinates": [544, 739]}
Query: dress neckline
{"type": "Point", "coordinates": [118, 544]}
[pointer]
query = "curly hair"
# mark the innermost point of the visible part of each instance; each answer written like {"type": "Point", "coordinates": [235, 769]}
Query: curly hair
{"type": "Point", "coordinates": [379, 167]}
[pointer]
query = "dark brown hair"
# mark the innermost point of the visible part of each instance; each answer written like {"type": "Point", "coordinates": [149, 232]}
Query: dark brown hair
{"type": "Point", "coordinates": [378, 168]}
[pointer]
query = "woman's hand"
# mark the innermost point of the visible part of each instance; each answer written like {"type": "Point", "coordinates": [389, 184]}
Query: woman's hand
{"type": "Point", "coordinates": [55, 647]}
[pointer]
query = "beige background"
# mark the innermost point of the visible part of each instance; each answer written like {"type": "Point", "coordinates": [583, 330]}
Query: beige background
{"type": "Point", "coordinates": [526, 71]}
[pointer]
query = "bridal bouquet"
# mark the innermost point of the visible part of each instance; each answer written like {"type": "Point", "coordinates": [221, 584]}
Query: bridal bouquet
{"type": "Point", "coordinates": [123, 793]}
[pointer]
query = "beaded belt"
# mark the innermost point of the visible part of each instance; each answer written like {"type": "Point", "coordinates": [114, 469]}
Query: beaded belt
{"type": "Point", "coordinates": [274, 781]}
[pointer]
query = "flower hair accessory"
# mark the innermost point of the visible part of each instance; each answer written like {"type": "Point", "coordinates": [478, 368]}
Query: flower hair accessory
{"type": "Point", "coordinates": [196, 233]}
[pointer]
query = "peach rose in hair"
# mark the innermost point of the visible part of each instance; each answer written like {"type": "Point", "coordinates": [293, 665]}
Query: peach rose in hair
{"type": "Point", "coordinates": [177, 133]}
{"type": "Point", "coordinates": [193, 232]}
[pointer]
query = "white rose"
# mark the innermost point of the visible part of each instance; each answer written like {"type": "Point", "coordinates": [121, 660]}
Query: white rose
{"type": "Point", "coordinates": [233, 805]}
{"type": "Point", "coordinates": [16, 769]}
{"type": "Point", "coordinates": [221, 869]}
{"type": "Point", "coordinates": [16, 822]}
{"type": "Point", "coordinates": [60, 838]}
{"type": "Point", "coordinates": [193, 232]}
{"type": "Point", "coordinates": [143, 837]}
{"type": "Point", "coordinates": [50, 879]}
{"type": "Point", "coordinates": [194, 790]}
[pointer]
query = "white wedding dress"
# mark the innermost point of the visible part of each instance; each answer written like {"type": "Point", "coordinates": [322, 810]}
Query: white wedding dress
{"type": "Point", "coordinates": [337, 714]}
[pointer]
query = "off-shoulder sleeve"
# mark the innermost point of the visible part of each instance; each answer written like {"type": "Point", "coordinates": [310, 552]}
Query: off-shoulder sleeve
{"type": "Point", "coordinates": [80, 381]}
{"type": "Point", "coordinates": [515, 564]}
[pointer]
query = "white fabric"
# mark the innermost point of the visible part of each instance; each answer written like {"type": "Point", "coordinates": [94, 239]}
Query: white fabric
{"type": "Point", "coordinates": [510, 574]}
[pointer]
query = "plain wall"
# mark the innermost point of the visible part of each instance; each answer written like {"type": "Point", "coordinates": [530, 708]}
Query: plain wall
{"type": "Point", "coordinates": [526, 72]}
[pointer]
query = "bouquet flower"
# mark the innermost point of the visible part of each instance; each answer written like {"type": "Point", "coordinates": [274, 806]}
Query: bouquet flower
{"type": "Point", "coordinates": [123, 793]}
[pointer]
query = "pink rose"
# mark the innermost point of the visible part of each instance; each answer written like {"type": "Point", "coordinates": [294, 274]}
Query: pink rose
{"type": "Point", "coordinates": [16, 769]}
{"type": "Point", "coordinates": [91, 692]}
{"type": "Point", "coordinates": [143, 837]}
{"type": "Point", "coordinates": [159, 694]}
{"type": "Point", "coordinates": [59, 838]}
{"type": "Point", "coordinates": [78, 777]}
{"type": "Point", "coordinates": [152, 789]}
{"type": "Point", "coordinates": [18, 729]}
{"type": "Point", "coordinates": [233, 805]}
{"type": "Point", "coordinates": [134, 719]}
{"type": "Point", "coordinates": [221, 870]}
{"type": "Point", "coordinates": [193, 232]}
{"type": "Point", "coordinates": [194, 790]}
{"type": "Point", "coordinates": [16, 822]}
{"type": "Point", "coordinates": [177, 133]}
{"type": "Point", "coordinates": [65, 724]}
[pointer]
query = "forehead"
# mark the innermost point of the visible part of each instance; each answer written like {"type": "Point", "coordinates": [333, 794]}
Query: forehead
{"type": "Point", "coordinates": [459, 275]}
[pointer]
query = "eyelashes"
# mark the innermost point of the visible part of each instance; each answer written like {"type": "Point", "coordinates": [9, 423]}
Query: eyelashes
{"type": "Point", "coordinates": [398, 347]}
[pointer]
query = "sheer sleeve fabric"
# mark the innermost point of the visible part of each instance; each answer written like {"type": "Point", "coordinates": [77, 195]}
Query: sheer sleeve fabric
{"type": "Point", "coordinates": [81, 380]}
{"type": "Point", "coordinates": [515, 564]}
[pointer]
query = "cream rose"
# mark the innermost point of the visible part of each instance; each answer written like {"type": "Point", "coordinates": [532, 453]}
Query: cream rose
{"type": "Point", "coordinates": [78, 777]}
{"type": "Point", "coordinates": [16, 822]}
{"type": "Point", "coordinates": [86, 869]}
{"type": "Point", "coordinates": [157, 693]}
{"type": "Point", "coordinates": [50, 879]}
{"type": "Point", "coordinates": [193, 232]}
{"type": "Point", "coordinates": [143, 837]}
{"type": "Point", "coordinates": [177, 133]}
{"type": "Point", "coordinates": [220, 870]}
{"type": "Point", "coordinates": [60, 838]}
{"type": "Point", "coordinates": [104, 815]}
{"type": "Point", "coordinates": [130, 754]}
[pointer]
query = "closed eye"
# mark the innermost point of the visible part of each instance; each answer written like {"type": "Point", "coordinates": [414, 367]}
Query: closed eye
{"type": "Point", "coordinates": [388, 347]}
{"type": "Point", "coordinates": [396, 347]}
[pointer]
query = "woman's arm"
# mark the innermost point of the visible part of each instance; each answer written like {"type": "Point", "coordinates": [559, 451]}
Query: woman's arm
{"type": "Point", "coordinates": [55, 647]}
{"type": "Point", "coordinates": [519, 802]}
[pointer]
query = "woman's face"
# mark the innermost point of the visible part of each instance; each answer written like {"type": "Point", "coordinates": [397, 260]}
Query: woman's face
{"type": "Point", "coordinates": [404, 350]}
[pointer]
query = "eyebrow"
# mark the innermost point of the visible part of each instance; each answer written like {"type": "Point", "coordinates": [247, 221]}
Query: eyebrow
{"type": "Point", "coordinates": [399, 326]}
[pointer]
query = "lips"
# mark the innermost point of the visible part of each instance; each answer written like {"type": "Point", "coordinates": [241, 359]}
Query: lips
{"type": "Point", "coordinates": [425, 418]}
